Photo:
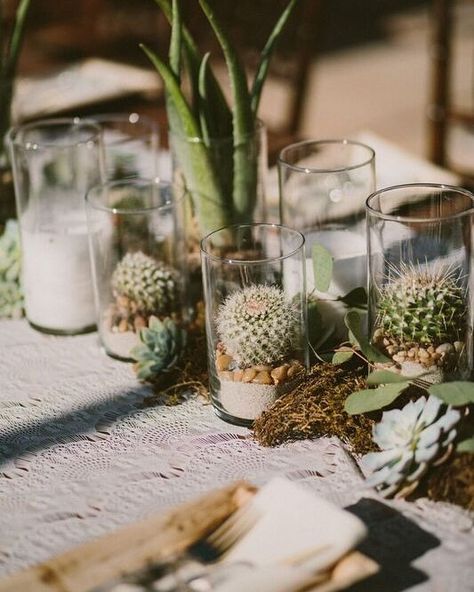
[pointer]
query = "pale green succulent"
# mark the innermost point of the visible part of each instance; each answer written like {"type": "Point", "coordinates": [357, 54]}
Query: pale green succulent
{"type": "Point", "coordinates": [257, 325]}
{"type": "Point", "coordinates": [161, 347]}
{"type": "Point", "coordinates": [411, 439]}
{"type": "Point", "coordinates": [422, 306]}
{"type": "Point", "coordinates": [150, 284]}
{"type": "Point", "coordinates": [11, 294]}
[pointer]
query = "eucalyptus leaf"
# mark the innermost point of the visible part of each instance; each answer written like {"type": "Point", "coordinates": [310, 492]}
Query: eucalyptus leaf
{"type": "Point", "coordinates": [175, 42]}
{"type": "Point", "coordinates": [454, 393]}
{"type": "Point", "coordinates": [384, 377]}
{"type": "Point", "coordinates": [356, 298]}
{"type": "Point", "coordinates": [322, 267]}
{"type": "Point", "coordinates": [341, 357]}
{"type": "Point", "coordinates": [374, 399]}
{"type": "Point", "coordinates": [353, 322]}
{"type": "Point", "coordinates": [466, 446]}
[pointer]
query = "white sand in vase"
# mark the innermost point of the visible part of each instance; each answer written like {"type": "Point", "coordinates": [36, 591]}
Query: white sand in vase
{"type": "Point", "coordinates": [119, 343]}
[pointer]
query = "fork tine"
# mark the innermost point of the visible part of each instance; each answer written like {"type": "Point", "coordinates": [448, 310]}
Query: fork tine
{"type": "Point", "coordinates": [233, 529]}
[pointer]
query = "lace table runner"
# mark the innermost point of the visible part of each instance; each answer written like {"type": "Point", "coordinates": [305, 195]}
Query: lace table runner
{"type": "Point", "coordinates": [81, 455]}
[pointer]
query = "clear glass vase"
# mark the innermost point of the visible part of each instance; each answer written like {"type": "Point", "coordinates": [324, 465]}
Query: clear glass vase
{"type": "Point", "coordinates": [420, 242]}
{"type": "Point", "coordinates": [255, 296]}
{"type": "Point", "coordinates": [222, 184]}
{"type": "Point", "coordinates": [55, 162]}
{"type": "Point", "coordinates": [323, 188]}
{"type": "Point", "coordinates": [136, 251]}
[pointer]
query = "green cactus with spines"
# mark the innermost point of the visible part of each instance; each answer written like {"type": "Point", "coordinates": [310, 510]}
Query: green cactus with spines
{"type": "Point", "coordinates": [258, 325]}
{"type": "Point", "coordinates": [150, 284]}
{"type": "Point", "coordinates": [162, 344]}
{"type": "Point", "coordinates": [11, 294]}
{"type": "Point", "coordinates": [423, 306]}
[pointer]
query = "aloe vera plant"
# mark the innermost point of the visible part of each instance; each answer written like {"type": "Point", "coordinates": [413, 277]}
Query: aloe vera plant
{"type": "Point", "coordinates": [222, 181]}
{"type": "Point", "coordinates": [10, 46]}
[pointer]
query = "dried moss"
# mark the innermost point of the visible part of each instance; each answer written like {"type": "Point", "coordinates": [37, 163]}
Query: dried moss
{"type": "Point", "coordinates": [316, 408]}
{"type": "Point", "coordinates": [453, 481]}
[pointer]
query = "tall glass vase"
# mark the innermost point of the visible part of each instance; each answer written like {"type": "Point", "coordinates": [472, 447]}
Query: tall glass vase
{"type": "Point", "coordinates": [420, 240]}
{"type": "Point", "coordinates": [222, 184]}
{"type": "Point", "coordinates": [323, 188]}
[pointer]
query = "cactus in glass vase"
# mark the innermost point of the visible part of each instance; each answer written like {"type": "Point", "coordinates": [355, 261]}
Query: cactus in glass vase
{"type": "Point", "coordinates": [222, 182]}
{"type": "Point", "coordinates": [421, 314]}
{"type": "Point", "coordinates": [257, 325]}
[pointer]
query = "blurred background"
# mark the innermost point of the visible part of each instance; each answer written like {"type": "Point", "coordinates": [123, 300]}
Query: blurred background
{"type": "Point", "coordinates": [400, 69]}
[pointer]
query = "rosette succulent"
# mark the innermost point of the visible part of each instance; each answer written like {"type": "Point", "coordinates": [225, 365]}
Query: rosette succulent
{"type": "Point", "coordinates": [11, 295]}
{"type": "Point", "coordinates": [257, 325]}
{"type": "Point", "coordinates": [411, 440]}
{"type": "Point", "coordinates": [424, 306]}
{"type": "Point", "coordinates": [151, 285]}
{"type": "Point", "coordinates": [162, 344]}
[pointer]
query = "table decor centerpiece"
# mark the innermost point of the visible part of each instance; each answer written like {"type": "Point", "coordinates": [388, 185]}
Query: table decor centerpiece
{"type": "Point", "coordinates": [255, 298]}
{"type": "Point", "coordinates": [10, 47]}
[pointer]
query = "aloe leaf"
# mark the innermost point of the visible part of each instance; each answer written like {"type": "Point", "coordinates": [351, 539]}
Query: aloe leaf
{"type": "Point", "coordinates": [374, 399]}
{"type": "Point", "coordinates": [262, 69]}
{"type": "Point", "coordinates": [205, 116]}
{"type": "Point", "coordinates": [245, 162]}
{"type": "Point", "coordinates": [175, 42]}
{"type": "Point", "coordinates": [216, 98]}
{"type": "Point", "coordinates": [193, 155]}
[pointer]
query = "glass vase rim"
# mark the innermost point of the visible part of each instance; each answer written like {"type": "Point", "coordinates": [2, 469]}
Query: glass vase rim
{"type": "Point", "coordinates": [13, 133]}
{"type": "Point", "coordinates": [137, 181]}
{"type": "Point", "coordinates": [259, 127]}
{"type": "Point", "coordinates": [231, 261]}
{"type": "Point", "coordinates": [124, 117]}
{"type": "Point", "coordinates": [342, 141]}
{"type": "Point", "coordinates": [419, 219]}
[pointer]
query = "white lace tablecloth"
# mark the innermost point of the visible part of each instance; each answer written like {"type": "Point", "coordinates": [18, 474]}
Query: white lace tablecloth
{"type": "Point", "coordinates": [81, 455]}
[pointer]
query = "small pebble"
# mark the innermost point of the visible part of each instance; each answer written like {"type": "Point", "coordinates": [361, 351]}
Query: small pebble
{"type": "Point", "coordinates": [263, 378]}
{"type": "Point", "coordinates": [294, 369]}
{"type": "Point", "coordinates": [279, 374]}
{"type": "Point", "coordinates": [139, 323]}
{"type": "Point", "coordinates": [223, 362]}
{"type": "Point", "coordinates": [444, 348]}
{"type": "Point", "coordinates": [422, 353]}
{"type": "Point", "coordinates": [238, 375]}
{"type": "Point", "coordinates": [226, 375]}
{"type": "Point", "coordinates": [249, 374]}
{"type": "Point", "coordinates": [263, 368]}
{"type": "Point", "coordinates": [123, 326]}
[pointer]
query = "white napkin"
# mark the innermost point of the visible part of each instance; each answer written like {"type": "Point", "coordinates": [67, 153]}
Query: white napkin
{"type": "Point", "coordinates": [296, 525]}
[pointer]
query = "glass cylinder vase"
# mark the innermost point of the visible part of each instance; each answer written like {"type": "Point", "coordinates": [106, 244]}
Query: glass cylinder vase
{"type": "Point", "coordinates": [54, 163]}
{"type": "Point", "coordinates": [136, 252]}
{"type": "Point", "coordinates": [223, 183]}
{"type": "Point", "coordinates": [255, 296]}
{"type": "Point", "coordinates": [323, 188]}
{"type": "Point", "coordinates": [420, 279]}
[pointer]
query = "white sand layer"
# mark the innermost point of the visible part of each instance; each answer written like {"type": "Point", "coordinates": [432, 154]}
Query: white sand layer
{"type": "Point", "coordinates": [119, 344]}
{"type": "Point", "coordinates": [246, 400]}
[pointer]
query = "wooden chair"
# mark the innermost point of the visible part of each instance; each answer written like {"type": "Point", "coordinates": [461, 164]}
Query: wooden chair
{"type": "Point", "coordinates": [443, 112]}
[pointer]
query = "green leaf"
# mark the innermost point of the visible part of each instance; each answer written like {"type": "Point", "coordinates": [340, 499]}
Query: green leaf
{"type": "Point", "coordinates": [264, 62]}
{"type": "Point", "coordinates": [175, 42]}
{"type": "Point", "coordinates": [384, 377]}
{"type": "Point", "coordinates": [341, 357]}
{"type": "Point", "coordinates": [352, 321]}
{"type": "Point", "coordinates": [373, 399]}
{"type": "Point", "coordinates": [356, 298]}
{"type": "Point", "coordinates": [466, 446]}
{"type": "Point", "coordinates": [322, 267]}
{"type": "Point", "coordinates": [16, 39]}
{"type": "Point", "coordinates": [454, 393]}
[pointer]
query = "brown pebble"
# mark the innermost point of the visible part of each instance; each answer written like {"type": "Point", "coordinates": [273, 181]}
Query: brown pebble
{"type": "Point", "coordinates": [139, 323]}
{"type": "Point", "coordinates": [263, 378]}
{"type": "Point", "coordinates": [123, 301]}
{"type": "Point", "coordinates": [294, 369]}
{"type": "Point", "coordinates": [223, 362]}
{"type": "Point", "coordinates": [422, 353]}
{"type": "Point", "coordinates": [226, 375]}
{"type": "Point", "coordinates": [262, 368]}
{"type": "Point", "coordinates": [444, 348]}
{"type": "Point", "coordinates": [123, 326]}
{"type": "Point", "coordinates": [249, 374]}
{"type": "Point", "coordinates": [238, 375]}
{"type": "Point", "coordinates": [279, 374]}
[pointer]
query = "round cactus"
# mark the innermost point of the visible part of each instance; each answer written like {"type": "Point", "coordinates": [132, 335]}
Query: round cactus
{"type": "Point", "coordinates": [422, 306]}
{"type": "Point", "coordinates": [151, 285]}
{"type": "Point", "coordinates": [257, 325]}
{"type": "Point", "coordinates": [162, 343]}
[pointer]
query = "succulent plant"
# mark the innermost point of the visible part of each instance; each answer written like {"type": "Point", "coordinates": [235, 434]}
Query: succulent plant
{"type": "Point", "coordinates": [257, 325]}
{"type": "Point", "coordinates": [151, 285]}
{"type": "Point", "coordinates": [11, 295]}
{"type": "Point", "coordinates": [162, 344]}
{"type": "Point", "coordinates": [411, 439]}
{"type": "Point", "coordinates": [422, 306]}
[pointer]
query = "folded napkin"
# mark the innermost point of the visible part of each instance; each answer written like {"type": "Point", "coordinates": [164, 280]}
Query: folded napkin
{"type": "Point", "coordinates": [296, 527]}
